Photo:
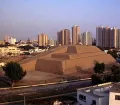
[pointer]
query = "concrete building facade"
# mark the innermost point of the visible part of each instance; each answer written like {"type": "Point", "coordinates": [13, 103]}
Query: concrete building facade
{"type": "Point", "coordinates": [75, 34]}
{"type": "Point", "coordinates": [10, 50]}
{"type": "Point", "coordinates": [113, 36]}
{"type": "Point", "coordinates": [2, 42]}
{"type": "Point", "coordinates": [102, 94]}
{"type": "Point", "coordinates": [60, 37]}
{"type": "Point", "coordinates": [66, 37]}
{"type": "Point", "coordinates": [43, 40]}
{"type": "Point", "coordinates": [6, 38]}
{"type": "Point", "coordinates": [114, 95]}
{"type": "Point", "coordinates": [12, 40]}
{"type": "Point", "coordinates": [52, 42]}
{"type": "Point", "coordinates": [94, 95]}
{"type": "Point", "coordinates": [99, 36]}
{"type": "Point", "coordinates": [118, 38]}
{"type": "Point", "coordinates": [87, 38]}
{"type": "Point", "coordinates": [107, 37]}
{"type": "Point", "coordinates": [59, 40]}
{"type": "Point", "coordinates": [63, 37]}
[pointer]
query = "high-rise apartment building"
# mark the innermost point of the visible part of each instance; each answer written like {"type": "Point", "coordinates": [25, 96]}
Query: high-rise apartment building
{"type": "Point", "coordinates": [52, 42]}
{"type": "Point", "coordinates": [7, 38]}
{"type": "Point", "coordinates": [87, 38]}
{"type": "Point", "coordinates": [66, 37]}
{"type": "Point", "coordinates": [63, 37]}
{"type": "Point", "coordinates": [60, 38]}
{"type": "Point", "coordinates": [75, 34]}
{"type": "Point", "coordinates": [107, 37]}
{"type": "Point", "coordinates": [43, 40]}
{"type": "Point", "coordinates": [12, 40]}
{"type": "Point", "coordinates": [99, 34]}
{"type": "Point", "coordinates": [118, 38]}
{"type": "Point", "coordinates": [113, 36]}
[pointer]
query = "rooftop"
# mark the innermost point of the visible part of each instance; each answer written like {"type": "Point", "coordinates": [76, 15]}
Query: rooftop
{"type": "Point", "coordinates": [115, 87]}
{"type": "Point", "coordinates": [97, 90]}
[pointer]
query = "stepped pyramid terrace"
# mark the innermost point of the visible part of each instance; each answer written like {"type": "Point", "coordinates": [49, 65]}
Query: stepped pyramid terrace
{"type": "Point", "coordinates": [71, 59]}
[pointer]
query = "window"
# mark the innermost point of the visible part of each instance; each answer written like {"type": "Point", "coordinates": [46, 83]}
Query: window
{"type": "Point", "coordinates": [117, 97]}
{"type": "Point", "coordinates": [82, 97]}
{"type": "Point", "coordinates": [93, 102]}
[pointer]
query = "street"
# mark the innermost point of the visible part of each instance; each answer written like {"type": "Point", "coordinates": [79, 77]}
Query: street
{"type": "Point", "coordinates": [17, 94]}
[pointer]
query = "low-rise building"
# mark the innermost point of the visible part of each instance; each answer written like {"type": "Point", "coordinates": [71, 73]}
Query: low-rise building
{"type": "Point", "coordinates": [12, 40]}
{"type": "Point", "coordinates": [9, 50]}
{"type": "Point", "coordinates": [37, 50]}
{"type": "Point", "coordinates": [114, 96]}
{"type": "Point", "coordinates": [24, 44]}
{"type": "Point", "coordinates": [2, 64]}
{"type": "Point", "coordinates": [87, 38]}
{"type": "Point", "coordinates": [2, 42]}
{"type": "Point", "coordinates": [94, 95]}
{"type": "Point", "coordinates": [103, 94]}
{"type": "Point", "coordinates": [4, 51]}
{"type": "Point", "coordinates": [52, 42]}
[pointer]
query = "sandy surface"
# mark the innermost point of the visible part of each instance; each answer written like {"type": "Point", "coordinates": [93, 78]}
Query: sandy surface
{"type": "Point", "coordinates": [38, 75]}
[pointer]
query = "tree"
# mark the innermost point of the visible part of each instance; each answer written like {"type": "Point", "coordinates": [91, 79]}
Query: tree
{"type": "Point", "coordinates": [113, 76]}
{"type": "Point", "coordinates": [96, 79]}
{"type": "Point", "coordinates": [27, 47]}
{"type": "Point", "coordinates": [107, 77]}
{"type": "Point", "coordinates": [7, 44]}
{"type": "Point", "coordinates": [26, 53]}
{"type": "Point", "coordinates": [99, 67]}
{"type": "Point", "coordinates": [14, 71]}
{"type": "Point", "coordinates": [9, 53]}
{"type": "Point", "coordinates": [113, 54]}
{"type": "Point", "coordinates": [115, 73]}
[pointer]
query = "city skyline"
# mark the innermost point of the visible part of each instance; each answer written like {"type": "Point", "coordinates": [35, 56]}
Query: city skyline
{"type": "Point", "coordinates": [63, 37]}
{"type": "Point", "coordinates": [107, 37]}
{"type": "Point", "coordinates": [48, 17]}
{"type": "Point", "coordinates": [42, 39]}
{"type": "Point", "coordinates": [75, 34]}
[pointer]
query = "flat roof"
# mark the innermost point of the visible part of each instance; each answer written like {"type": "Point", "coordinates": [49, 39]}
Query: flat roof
{"type": "Point", "coordinates": [97, 89]}
{"type": "Point", "coordinates": [115, 88]}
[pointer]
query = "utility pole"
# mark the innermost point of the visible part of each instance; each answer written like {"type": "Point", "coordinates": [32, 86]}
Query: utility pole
{"type": "Point", "coordinates": [24, 100]}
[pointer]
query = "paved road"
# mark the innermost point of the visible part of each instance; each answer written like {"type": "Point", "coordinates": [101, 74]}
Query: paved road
{"type": "Point", "coordinates": [28, 89]}
{"type": "Point", "coordinates": [58, 97]}
{"type": "Point", "coordinates": [42, 91]}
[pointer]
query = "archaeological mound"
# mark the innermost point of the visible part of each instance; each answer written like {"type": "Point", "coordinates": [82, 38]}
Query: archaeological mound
{"type": "Point", "coordinates": [73, 59]}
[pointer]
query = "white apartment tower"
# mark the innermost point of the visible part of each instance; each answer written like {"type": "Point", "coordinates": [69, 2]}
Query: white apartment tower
{"type": "Point", "coordinates": [87, 38]}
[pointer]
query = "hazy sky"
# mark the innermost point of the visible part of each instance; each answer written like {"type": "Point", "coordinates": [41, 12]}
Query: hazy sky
{"type": "Point", "coordinates": [27, 18]}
